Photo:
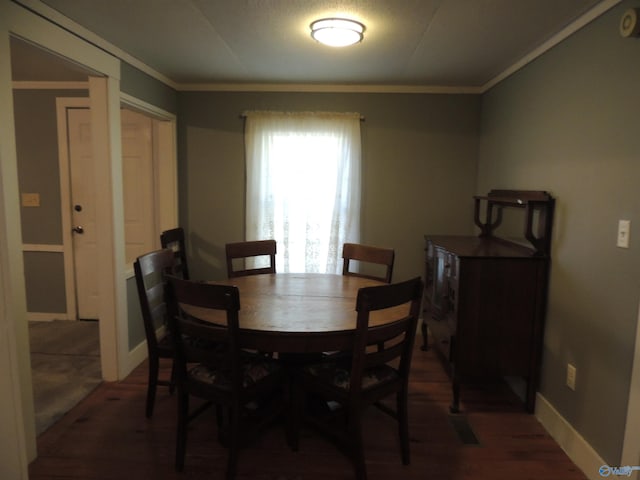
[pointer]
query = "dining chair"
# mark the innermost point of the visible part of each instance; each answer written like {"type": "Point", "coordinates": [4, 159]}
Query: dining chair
{"type": "Point", "coordinates": [174, 240]}
{"type": "Point", "coordinates": [149, 270]}
{"type": "Point", "coordinates": [368, 254]}
{"type": "Point", "coordinates": [235, 381]}
{"type": "Point", "coordinates": [366, 376]}
{"type": "Point", "coordinates": [248, 249]}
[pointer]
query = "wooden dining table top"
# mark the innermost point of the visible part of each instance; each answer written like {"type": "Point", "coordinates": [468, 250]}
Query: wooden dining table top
{"type": "Point", "coordinates": [298, 312]}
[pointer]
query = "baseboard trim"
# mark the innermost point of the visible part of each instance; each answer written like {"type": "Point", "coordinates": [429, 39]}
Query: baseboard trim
{"type": "Point", "coordinates": [138, 354]}
{"type": "Point", "coordinates": [574, 445]}
{"type": "Point", "coordinates": [135, 358]}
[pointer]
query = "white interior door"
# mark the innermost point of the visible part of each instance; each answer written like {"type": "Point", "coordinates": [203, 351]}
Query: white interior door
{"type": "Point", "coordinates": [83, 212]}
{"type": "Point", "coordinates": [138, 181]}
{"type": "Point", "coordinates": [138, 186]}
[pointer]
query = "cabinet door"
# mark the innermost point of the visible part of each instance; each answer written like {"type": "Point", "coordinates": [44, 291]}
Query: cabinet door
{"type": "Point", "coordinates": [441, 273]}
{"type": "Point", "coordinates": [496, 316]}
{"type": "Point", "coordinates": [428, 276]}
{"type": "Point", "coordinates": [441, 316]}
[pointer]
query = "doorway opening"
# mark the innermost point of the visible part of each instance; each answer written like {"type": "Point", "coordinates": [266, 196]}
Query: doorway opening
{"type": "Point", "coordinates": [48, 87]}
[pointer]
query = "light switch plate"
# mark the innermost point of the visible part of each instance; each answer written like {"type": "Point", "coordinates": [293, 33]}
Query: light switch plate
{"type": "Point", "coordinates": [624, 228]}
{"type": "Point", "coordinates": [30, 199]}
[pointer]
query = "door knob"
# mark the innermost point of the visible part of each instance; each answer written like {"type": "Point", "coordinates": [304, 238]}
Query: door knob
{"type": "Point", "coordinates": [78, 229]}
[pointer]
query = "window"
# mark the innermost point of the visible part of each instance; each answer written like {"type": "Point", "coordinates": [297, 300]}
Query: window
{"type": "Point", "coordinates": [303, 186]}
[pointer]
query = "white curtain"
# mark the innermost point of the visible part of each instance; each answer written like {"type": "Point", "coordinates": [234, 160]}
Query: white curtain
{"type": "Point", "coordinates": [303, 186]}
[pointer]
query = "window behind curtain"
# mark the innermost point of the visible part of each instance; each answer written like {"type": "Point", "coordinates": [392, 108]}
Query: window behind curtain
{"type": "Point", "coordinates": [303, 186]}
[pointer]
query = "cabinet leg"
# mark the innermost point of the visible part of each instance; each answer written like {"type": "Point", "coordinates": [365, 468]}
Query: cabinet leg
{"type": "Point", "coordinates": [455, 404]}
{"type": "Point", "coordinates": [530, 399]}
{"type": "Point", "coordinates": [425, 336]}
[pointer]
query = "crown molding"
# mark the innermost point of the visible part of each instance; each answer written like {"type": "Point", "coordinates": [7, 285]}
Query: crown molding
{"type": "Point", "coordinates": [325, 88]}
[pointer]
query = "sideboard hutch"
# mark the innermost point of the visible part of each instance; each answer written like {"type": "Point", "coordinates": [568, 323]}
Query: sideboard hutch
{"type": "Point", "coordinates": [485, 296]}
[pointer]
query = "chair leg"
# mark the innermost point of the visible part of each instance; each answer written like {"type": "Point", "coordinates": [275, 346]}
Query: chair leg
{"type": "Point", "coordinates": [403, 426]}
{"type": "Point", "coordinates": [294, 416]}
{"type": "Point", "coordinates": [152, 386]}
{"type": "Point", "coordinates": [234, 441]}
{"type": "Point", "coordinates": [181, 431]}
{"type": "Point", "coordinates": [219, 417]}
{"type": "Point", "coordinates": [172, 380]}
{"type": "Point", "coordinates": [355, 433]}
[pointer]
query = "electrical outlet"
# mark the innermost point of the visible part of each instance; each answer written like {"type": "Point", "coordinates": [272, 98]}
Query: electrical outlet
{"type": "Point", "coordinates": [624, 228]}
{"type": "Point", "coordinates": [571, 376]}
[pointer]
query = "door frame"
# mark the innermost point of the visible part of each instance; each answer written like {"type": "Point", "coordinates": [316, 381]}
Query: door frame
{"type": "Point", "coordinates": [165, 167]}
{"type": "Point", "coordinates": [62, 104]}
{"type": "Point", "coordinates": [165, 164]}
{"type": "Point", "coordinates": [165, 179]}
{"type": "Point", "coordinates": [104, 94]}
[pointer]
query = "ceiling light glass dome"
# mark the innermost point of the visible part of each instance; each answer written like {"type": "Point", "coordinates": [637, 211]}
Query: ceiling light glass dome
{"type": "Point", "coordinates": [337, 32]}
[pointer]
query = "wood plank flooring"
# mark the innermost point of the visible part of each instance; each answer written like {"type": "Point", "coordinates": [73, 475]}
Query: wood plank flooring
{"type": "Point", "coordinates": [107, 437]}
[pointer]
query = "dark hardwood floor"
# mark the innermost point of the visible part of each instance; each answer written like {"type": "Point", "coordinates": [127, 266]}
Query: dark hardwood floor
{"type": "Point", "coordinates": [108, 437]}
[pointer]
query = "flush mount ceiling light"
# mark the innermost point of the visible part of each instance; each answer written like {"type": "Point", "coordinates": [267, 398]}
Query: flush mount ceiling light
{"type": "Point", "coordinates": [337, 32]}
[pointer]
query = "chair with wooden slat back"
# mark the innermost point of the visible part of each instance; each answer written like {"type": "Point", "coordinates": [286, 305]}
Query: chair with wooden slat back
{"type": "Point", "coordinates": [230, 378]}
{"type": "Point", "coordinates": [174, 240]}
{"type": "Point", "coordinates": [149, 270]}
{"type": "Point", "coordinates": [244, 250]}
{"type": "Point", "coordinates": [369, 254]}
{"type": "Point", "coordinates": [367, 375]}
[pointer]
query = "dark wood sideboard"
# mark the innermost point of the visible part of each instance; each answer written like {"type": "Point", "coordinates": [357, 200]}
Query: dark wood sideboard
{"type": "Point", "coordinates": [485, 296]}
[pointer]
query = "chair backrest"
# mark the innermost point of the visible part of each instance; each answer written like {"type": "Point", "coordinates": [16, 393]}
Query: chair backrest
{"type": "Point", "coordinates": [368, 254]}
{"type": "Point", "coordinates": [243, 250]}
{"type": "Point", "coordinates": [149, 270]}
{"type": "Point", "coordinates": [394, 338]}
{"type": "Point", "coordinates": [174, 240]}
{"type": "Point", "coordinates": [184, 297]}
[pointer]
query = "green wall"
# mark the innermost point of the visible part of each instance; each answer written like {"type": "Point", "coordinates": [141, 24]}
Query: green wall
{"type": "Point", "coordinates": [37, 149]}
{"type": "Point", "coordinates": [138, 84]}
{"type": "Point", "coordinates": [419, 168]}
{"type": "Point", "coordinates": [38, 172]}
{"type": "Point", "coordinates": [44, 282]}
{"type": "Point", "coordinates": [568, 123]}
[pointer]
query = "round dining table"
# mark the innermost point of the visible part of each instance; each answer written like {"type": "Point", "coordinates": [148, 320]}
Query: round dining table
{"type": "Point", "coordinates": [298, 312]}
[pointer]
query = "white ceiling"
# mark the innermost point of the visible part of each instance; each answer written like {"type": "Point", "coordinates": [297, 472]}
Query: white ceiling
{"type": "Point", "coordinates": [446, 43]}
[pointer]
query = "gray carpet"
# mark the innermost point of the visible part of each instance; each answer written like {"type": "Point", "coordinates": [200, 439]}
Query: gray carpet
{"type": "Point", "coordinates": [65, 366]}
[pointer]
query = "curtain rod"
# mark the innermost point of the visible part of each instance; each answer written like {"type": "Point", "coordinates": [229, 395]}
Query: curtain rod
{"type": "Point", "coordinates": [244, 115]}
